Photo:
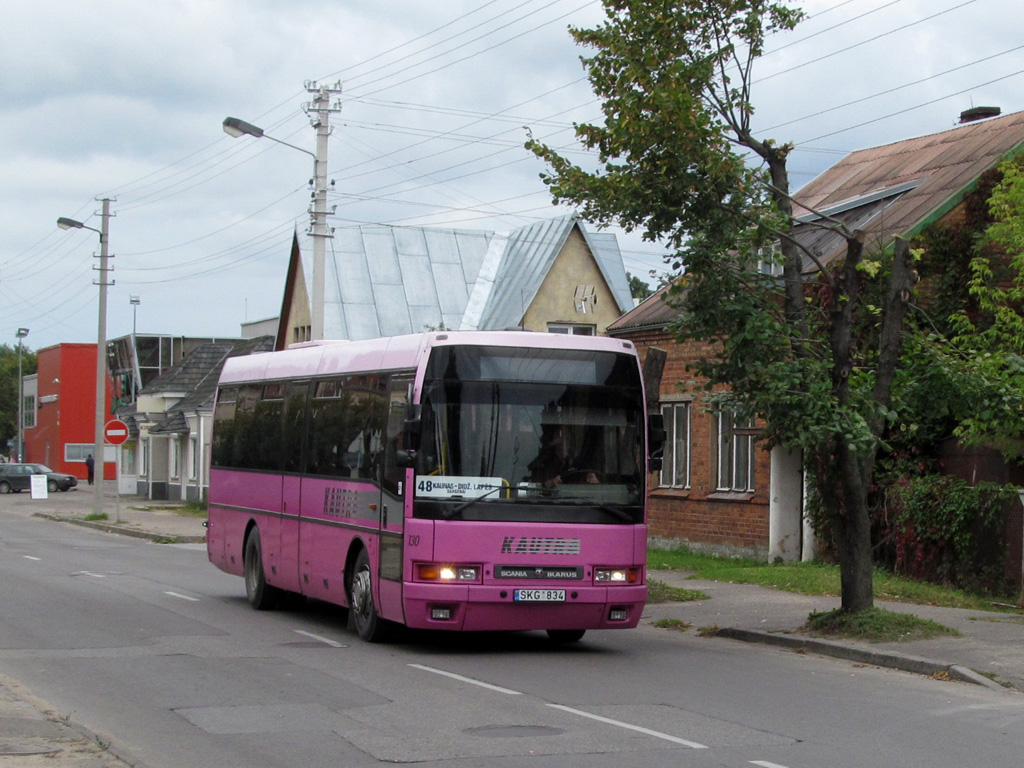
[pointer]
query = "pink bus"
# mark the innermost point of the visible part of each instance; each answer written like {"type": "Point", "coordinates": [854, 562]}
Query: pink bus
{"type": "Point", "coordinates": [448, 480]}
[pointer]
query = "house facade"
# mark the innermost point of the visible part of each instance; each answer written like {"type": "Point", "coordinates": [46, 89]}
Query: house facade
{"type": "Point", "coordinates": [551, 276]}
{"type": "Point", "coordinates": [718, 489]}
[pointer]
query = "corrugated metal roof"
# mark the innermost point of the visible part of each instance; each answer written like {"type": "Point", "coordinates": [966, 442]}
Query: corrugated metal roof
{"type": "Point", "coordinates": [943, 165]}
{"type": "Point", "coordinates": [887, 190]}
{"type": "Point", "coordinates": [389, 281]}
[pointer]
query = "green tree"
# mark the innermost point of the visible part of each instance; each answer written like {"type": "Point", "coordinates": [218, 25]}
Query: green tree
{"type": "Point", "coordinates": [984, 359]}
{"type": "Point", "coordinates": [638, 289]}
{"type": "Point", "coordinates": [9, 390]}
{"type": "Point", "coordinates": [678, 161]}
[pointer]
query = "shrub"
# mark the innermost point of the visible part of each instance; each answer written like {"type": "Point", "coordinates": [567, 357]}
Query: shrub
{"type": "Point", "coordinates": [950, 532]}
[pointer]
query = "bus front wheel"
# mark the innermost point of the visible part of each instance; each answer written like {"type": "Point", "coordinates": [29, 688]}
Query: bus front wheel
{"type": "Point", "coordinates": [370, 626]}
{"type": "Point", "coordinates": [261, 595]}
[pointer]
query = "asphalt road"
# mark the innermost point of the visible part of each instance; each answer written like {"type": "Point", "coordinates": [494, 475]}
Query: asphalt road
{"type": "Point", "coordinates": [157, 652]}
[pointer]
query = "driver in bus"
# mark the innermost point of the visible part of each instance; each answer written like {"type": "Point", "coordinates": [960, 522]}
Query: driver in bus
{"type": "Point", "coordinates": [556, 462]}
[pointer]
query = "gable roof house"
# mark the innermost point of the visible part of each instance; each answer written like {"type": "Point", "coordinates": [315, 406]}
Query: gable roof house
{"type": "Point", "coordinates": [552, 275]}
{"type": "Point", "coordinates": [717, 490]}
{"type": "Point", "coordinates": [174, 420]}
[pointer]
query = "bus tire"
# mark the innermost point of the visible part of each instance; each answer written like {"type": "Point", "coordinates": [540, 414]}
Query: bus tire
{"type": "Point", "coordinates": [369, 625]}
{"type": "Point", "coordinates": [566, 635]}
{"type": "Point", "coordinates": [261, 595]}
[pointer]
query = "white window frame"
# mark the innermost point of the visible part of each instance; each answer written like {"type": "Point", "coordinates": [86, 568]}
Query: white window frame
{"type": "Point", "coordinates": [675, 468]}
{"type": "Point", "coordinates": [174, 455]}
{"type": "Point", "coordinates": [573, 329]}
{"type": "Point", "coordinates": [193, 457]}
{"type": "Point", "coordinates": [734, 454]}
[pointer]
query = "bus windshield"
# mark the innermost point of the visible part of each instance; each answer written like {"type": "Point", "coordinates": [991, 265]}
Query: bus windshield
{"type": "Point", "coordinates": [530, 434]}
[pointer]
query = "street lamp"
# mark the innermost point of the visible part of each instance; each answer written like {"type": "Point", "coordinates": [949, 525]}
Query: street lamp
{"type": "Point", "coordinates": [321, 109]}
{"type": "Point", "coordinates": [101, 348]}
{"type": "Point", "coordinates": [22, 333]}
{"type": "Point", "coordinates": [134, 301]}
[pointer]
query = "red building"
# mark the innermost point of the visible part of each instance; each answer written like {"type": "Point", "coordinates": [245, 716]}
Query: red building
{"type": "Point", "coordinates": [63, 435]}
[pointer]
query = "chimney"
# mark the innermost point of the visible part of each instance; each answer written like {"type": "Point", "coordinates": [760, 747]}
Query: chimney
{"type": "Point", "coordinates": [978, 113]}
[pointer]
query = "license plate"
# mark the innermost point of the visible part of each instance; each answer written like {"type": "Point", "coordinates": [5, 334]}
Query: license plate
{"type": "Point", "coordinates": [538, 595]}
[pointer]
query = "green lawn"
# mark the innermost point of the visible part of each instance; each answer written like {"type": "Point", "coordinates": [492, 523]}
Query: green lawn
{"type": "Point", "coordinates": [813, 579]}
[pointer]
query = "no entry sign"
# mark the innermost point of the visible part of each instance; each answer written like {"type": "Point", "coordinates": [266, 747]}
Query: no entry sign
{"type": "Point", "coordinates": [115, 432]}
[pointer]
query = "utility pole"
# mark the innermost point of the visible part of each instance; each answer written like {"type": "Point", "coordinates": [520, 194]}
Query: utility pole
{"type": "Point", "coordinates": [319, 111]}
{"type": "Point", "coordinates": [101, 362]}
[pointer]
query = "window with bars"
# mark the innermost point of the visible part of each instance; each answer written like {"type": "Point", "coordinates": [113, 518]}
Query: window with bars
{"type": "Point", "coordinates": [734, 448]}
{"type": "Point", "coordinates": [675, 468]}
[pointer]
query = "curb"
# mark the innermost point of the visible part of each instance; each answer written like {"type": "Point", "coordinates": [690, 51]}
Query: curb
{"type": "Point", "coordinates": [112, 528]}
{"type": "Point", "coordinates": [886, 659]}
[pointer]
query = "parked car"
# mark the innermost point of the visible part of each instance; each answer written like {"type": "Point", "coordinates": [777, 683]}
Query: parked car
{"type": "Point", "coordinates": [18, 477]}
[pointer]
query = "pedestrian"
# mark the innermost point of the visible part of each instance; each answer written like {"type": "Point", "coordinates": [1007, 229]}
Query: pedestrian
{"type": "Point", "coordinates": [89, 466]}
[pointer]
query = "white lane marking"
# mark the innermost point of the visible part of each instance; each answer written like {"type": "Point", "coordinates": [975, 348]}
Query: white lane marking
{"type": "Point", "coordinates": [183, 597]}
{"type": "Point", "coordinates": [470, 680]}
{"type": "Point", "coordinates": [29, 557]}
{"type": "Point", "coordinates": [766, 764]}
{"type": "Point", "coordinates": [325, 640]}
{"type": "Point", "coordinates": [90, 573]}
{"type": "Point", "coordinates": [631, 727]}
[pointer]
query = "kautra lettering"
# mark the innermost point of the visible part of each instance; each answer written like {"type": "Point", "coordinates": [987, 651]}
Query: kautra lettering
{"type": "Point", "coordinates": [535, 545]}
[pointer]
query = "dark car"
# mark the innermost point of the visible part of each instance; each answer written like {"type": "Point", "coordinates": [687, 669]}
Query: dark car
{"type": "Point", "coordinates": [18, 477]}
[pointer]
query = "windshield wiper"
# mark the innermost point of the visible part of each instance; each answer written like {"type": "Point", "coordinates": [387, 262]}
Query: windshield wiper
{"type": "Point", "coordinates": [449, 513]}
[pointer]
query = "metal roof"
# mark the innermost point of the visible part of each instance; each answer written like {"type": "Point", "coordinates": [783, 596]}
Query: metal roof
{"type": "Point", "coordinates": [388, 280]}
{"type": "Point", "coordinates": [894, 189]}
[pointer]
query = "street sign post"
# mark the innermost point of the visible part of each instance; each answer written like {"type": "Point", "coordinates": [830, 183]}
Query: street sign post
{"type": "Point", "coordinates": [115, 432]}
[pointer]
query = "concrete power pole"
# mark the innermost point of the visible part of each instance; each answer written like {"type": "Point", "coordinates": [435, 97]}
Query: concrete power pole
{"type": "Point", "coordinates": [101, 361]}
{"type": "Point", "coordinates": [319, 111]}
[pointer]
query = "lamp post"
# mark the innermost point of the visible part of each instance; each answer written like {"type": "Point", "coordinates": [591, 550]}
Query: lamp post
{"type": "Point", "coordinates": [134, 301]}
{"type": "Point", "coordinates": [101, 348]}
{"type": "Point", "coordinates": [22, 333]}
{"type": "Point", "coordinates": [320, 110]}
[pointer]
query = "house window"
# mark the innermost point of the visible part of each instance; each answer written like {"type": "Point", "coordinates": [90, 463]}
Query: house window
{"type": "Point", "coordinates": [193, 457]}
{"type": "Point", "coordinates": [675, 468]}
{"type": "Point", "coordinates": [28, 410]}
{"type": "Point", "coordinates": [301, 333]}
{"type": "Point", "coordinates": [573, 329]}
{"type": "Point", "coordinates": [734, 453]}
{"type": "Point", "coordinates": [175, 457]}
{"type": "Point", "coordinates": [80, 451]}
{"type": "Point", "coordinates": [770, 260]}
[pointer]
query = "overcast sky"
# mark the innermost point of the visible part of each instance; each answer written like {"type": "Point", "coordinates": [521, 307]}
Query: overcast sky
{"type": "Point", "coordinates": [125, 99]}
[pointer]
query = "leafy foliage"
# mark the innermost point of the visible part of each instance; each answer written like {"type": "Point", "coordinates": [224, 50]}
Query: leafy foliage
{"type": "Point", "coordinates": [814, 361]}
{"type": "Point", "coordinates": [949, 532]}
{"type": "Point", "coordinates": [9, 390]}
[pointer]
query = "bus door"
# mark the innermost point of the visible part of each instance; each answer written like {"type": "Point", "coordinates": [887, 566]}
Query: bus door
{"type": "Point", "coordinates": [295, 418]}
{"type": "Point", "coordinates": [392, 500]}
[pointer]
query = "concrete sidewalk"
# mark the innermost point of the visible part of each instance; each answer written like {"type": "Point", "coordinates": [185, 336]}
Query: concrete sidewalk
{"type": "Point", "coordinates": [989, 650]}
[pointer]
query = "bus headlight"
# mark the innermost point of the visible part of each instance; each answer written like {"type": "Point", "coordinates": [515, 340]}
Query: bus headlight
{"type": "Point", "coordinates": [617, 575]}
{"type": "Point", "coordinates": [447, 572]}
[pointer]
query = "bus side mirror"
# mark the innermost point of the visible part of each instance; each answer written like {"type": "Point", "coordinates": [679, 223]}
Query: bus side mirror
{"type": "Point", "coordinates": [411, 427]}
{"type": "Point", "coordinates": [656, 436]}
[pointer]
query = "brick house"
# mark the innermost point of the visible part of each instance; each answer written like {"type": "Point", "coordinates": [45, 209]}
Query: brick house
{"type": "Point", "coordinates": [718, 490]}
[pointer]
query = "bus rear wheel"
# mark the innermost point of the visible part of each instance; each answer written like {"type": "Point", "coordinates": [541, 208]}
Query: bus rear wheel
{"type": "Point", "coordinates": [261, 595]}
{"type": "Point", "coordinates": [369, 625]}
{"type": "Point", "coordinates": [566, 635]}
